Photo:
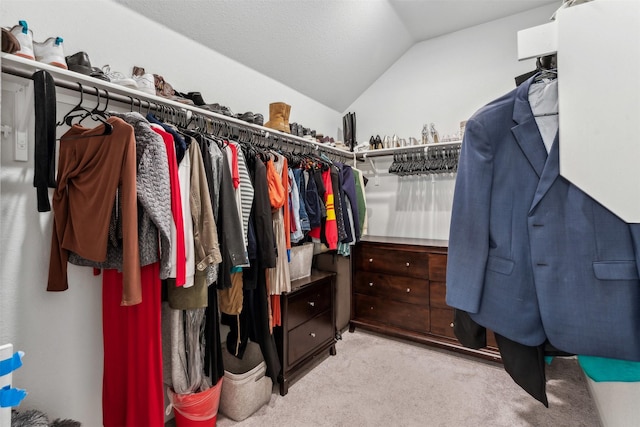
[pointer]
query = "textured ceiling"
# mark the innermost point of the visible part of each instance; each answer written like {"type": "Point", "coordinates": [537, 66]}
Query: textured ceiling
{"type": "Point", "coordinates": [329, 50]}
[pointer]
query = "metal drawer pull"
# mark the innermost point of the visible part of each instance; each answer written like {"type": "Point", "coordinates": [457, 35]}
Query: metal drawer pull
{"type": "Point", "coordinates": [370, 259]}
{"type": "Point", "coordinates": [312, 334]}
{"type": "Point", "coordinates": [370, 283]}
{"type": "Point", "coordinates": [407, 264]}
{"type": "Point", "coordinates": [311, 303]}
{"type": "Point", "coordinates": [408, 290]}
{"type": "Point", "coordinates": [451, 324]}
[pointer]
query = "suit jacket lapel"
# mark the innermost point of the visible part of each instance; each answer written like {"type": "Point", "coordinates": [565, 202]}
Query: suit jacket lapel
{"type": "Point", "coordinates": [549, 174]}
{"type": "Point", "coordinates": [526, 131]}
{"type": "Point", "coordinates": [530, 141]}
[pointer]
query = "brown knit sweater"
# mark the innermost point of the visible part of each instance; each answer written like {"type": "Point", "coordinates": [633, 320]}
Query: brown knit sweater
{"type": "Point", "coordinates": [91, 166]}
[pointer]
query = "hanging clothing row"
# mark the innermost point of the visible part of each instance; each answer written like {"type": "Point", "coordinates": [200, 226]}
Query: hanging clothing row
{"type": "Point", "coordinates": [189, 228]}
{"type": "Point", "coordinates": [430, 161]}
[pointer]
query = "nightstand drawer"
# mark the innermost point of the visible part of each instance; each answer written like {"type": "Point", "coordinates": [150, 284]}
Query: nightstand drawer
{"type": "Point", "coordinates": [405, 289]}
{"type": "Point", "coordinates": [394, 313]}
{"type": "Point", "coordinates": [390, 261]}
{"type": "Point", "coordinates": [308, 303]}
{"type": "Point", "coordinates": [308, 336]}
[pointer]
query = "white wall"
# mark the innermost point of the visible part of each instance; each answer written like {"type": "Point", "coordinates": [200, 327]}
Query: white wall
{"type": "Point", "coordinates": [61, 333]}
{"type": "Point", "coordinates": [112, 34]}
{"type": "Point", "coordinates": [441, 81]}
{"type": "Point", "coordinates": [446, 79]}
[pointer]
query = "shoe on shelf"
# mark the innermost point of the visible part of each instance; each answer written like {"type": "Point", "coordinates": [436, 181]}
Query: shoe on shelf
{"type": "Point", "coordinates": [247, 117]}
{"type": "Point", "coordinates": [10, 43]}
{"type": "Point", "coordinates": [50, 52]}
{"type": "Point", "coordinates": [258, 119]}
{"type": "Point", "coordinates": [145, 81]}
{"type": "Point", "coordinates": [218, 109]}
{"type": "Point", "coordinates": [196, 97]}
{"type": "Point", "coordinates": [79, 63]}
{"type": "Point", "coordinates": [119, 78]}
{"type": "Point", "coordinates": [24, 35]}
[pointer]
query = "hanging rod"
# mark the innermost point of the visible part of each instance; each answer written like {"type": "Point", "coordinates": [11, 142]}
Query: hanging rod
{"type": "Point", "coordinates": [24, 68]}
{"type": "Point", "coordinates": [363, 155]}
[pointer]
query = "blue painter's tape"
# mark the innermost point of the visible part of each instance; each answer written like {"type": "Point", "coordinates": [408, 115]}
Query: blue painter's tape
{"type": "Point", "coordinates": [11, 364]}
{"type": "Point", "coordinates": [10, 397]}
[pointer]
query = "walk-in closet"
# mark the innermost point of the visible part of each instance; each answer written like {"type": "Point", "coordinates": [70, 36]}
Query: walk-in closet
{"type": "Point", "coordinates": [319, 213]}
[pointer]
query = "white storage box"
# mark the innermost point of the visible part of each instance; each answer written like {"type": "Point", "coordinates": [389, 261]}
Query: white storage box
{"type": "Point", "coordinates": [301, 259]}
{"type": "Point", "coordinates": [245, 388]}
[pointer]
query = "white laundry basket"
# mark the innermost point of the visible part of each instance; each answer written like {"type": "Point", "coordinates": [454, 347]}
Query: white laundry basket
{"type": "Point", "coordinates": [245, 388]}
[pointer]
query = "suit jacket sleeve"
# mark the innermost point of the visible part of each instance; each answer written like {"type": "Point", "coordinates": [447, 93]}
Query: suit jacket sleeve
{"type": "Point", "coordinates": [469, 237]}
{"type": "Point", "coordinates": [635, 235]}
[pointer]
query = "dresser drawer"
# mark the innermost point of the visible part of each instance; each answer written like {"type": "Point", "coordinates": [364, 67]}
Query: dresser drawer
{"type": "Point", "coordinates": [437, 294]}
{"type": "Point", "coordinates": [383, 310]}
{"type": "Point", "coordinates": [308, 303]}
{"type": "Point", "coordinates": [308, 336]}
{"type": "Point", "coordinates": [392, 261]}
{"type": "Point", "coordinates": [405, 289]}
{"type": "Point", "coordinates": [442, 322]}
{"type": "Point", "coordinates": [438, 267]}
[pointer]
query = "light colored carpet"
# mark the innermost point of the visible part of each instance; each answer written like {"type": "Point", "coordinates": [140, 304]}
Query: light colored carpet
{"type": "Point", "coordinates": [379, 381]}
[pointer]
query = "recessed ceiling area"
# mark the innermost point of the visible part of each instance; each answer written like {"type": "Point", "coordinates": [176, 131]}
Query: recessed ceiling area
{"type": "Point", "coordinates": [328, 50]}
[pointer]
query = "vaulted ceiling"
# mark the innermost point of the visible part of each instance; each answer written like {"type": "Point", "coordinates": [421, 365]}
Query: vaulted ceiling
{"type": "Point", "coordinates": [329, 50]}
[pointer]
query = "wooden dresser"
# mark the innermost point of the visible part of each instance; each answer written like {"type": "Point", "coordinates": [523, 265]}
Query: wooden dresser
{"type": "Point", "coordinates": [399, 286]}
{"type": "Point", "coordinates": [308, 325]}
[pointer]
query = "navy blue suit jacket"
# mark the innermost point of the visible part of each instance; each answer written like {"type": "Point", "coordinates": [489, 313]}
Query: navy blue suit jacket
{"type": "Point", "coordinates": [531, 256]}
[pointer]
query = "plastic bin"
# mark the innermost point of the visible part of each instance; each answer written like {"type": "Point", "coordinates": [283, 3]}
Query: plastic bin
{"type": "Point", "coordinates": [301, 260]}
{"type": "Point", "coordinates": [196, 409]}
{"type": "Point", "coordinates": [246, 388]}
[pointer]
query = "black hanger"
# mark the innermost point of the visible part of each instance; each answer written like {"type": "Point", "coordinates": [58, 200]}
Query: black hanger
{"type": "Point", "coordinates": [546, 67]}
{"type": "Point", "coordinates": [130, 103]}
{"type": "Point", "coordinates": [96, 113]}
{"type": "Point", "coordinates": [100, 115]}
{"type": "Point", "coordinates": [68, 118]}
